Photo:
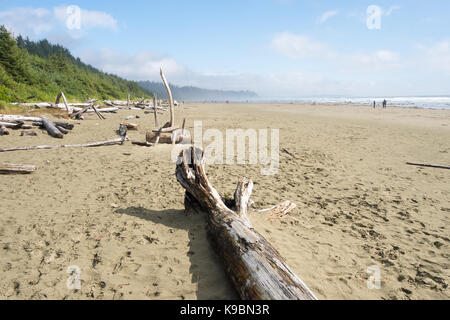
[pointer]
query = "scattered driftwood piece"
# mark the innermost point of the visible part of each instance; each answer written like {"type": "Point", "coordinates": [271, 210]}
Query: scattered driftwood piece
{"type": "Point", "coordinates": [68, 108]}
{"type": "Point", "coordinates": [10, 168]}
{"type": "Point", "coordinates": [169, 94]}
{"type": "Point", "coordinates": [122, 130]}
{"type": "Point", "coordinates": [130, 126]}
{"type": "Point", "coordinates": [280, 210]}
{"type": "Point", "coordinates": [85, 145]}
{"type": "Point", "coordinates": [3, 131]}
{"type": "Point", "coordinates": [155, 138]}
{"type": "Point", "coordinates": [79, 113]}
{"type": "Point", "coordinates": [13, 118]}
{"type": "Point", "coordinates": [51, 128]}
{"type": "Point", "coordinates": [98, 113]}
{"type": "Point", "coordinates": [289, 153]}
{"type": "Point", "coordinates": [28, 133]}
{"type": "Point", "coordinates": [166, 130]}
{"type": "Point", "coordinates": [254, 266]}
{"type": "Point", "coordinates": [12, 125]}
{"type": "Point", "coordinates": [436, 166]}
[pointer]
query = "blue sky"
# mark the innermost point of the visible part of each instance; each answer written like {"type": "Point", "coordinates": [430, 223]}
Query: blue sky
{"type": "Point", "coordinates": [278, 48]}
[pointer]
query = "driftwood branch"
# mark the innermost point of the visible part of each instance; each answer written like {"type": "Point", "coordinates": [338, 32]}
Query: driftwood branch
{"type": "Point", "coordinates": [436, 166]}
{"type": "Point", "coordinates": [9, 168]}
{"type": "Point", "coordinates": [92, 144]}
{"type": "Point", "coordinates": [253, 265]}
{"type": "Point", "coordinates": [169, 94]}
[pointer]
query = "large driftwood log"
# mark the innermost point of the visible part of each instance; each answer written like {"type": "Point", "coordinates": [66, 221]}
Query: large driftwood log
{"type": "Point", "coordinates": [51, 128]}
{"type": "Point", "coordinates": [253, 265]}
{"type": "Point", "coordinates": [85, 145]}
{"type": "Point", "coordinates": [16, 168]}
{"type": "Point", "coordinates": [65, 125]}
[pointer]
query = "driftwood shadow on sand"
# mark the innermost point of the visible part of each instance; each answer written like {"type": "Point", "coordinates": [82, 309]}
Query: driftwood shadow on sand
{"type": "Point", "coordinates": [200, 269]}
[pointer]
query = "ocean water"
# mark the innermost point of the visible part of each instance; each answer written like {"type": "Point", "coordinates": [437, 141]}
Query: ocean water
{"type": "Point", "coordinates": [417, 102]}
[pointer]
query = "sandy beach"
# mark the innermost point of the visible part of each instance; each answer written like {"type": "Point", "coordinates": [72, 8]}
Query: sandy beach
{"type": "Point", "coordinates": [117, 212]}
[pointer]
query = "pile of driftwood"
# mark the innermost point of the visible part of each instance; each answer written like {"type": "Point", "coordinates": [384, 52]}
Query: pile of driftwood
{"type": "Point", "coordinates": [56, 129]}
{"type": "Point", "coordinates": [78, 110]}
{"type": "Point", "coordinates": [168, 133]}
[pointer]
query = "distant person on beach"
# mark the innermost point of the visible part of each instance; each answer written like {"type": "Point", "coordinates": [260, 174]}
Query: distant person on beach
{"type": "Point", "coordinates": [374, 104]}
{"type": "Point", "coordinates": [384, 104]}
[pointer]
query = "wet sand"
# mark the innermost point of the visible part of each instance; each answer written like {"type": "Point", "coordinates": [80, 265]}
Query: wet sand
{"type": "Point", "coordinates": [117, 213]}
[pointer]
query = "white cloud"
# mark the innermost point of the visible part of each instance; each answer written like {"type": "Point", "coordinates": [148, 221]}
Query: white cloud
{"type": "Point", "coordinates": [89, 19]}
{"type": "Point", "coordinates": [327, 15]}
{"type": "Point", "coordinates": [298, 46]}
{"type": "Point", "coordinates": [143, 65]}
{"type": "Point", "coordinates": [34, 22]}
{"type": "Point", "coordinates": [27, 21]}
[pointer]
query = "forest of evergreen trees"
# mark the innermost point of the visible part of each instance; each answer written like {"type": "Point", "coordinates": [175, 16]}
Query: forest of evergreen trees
{"type": "Point", "coordinates": [37, 71]}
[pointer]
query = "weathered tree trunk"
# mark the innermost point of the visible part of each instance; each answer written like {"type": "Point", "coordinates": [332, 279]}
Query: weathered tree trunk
{"type": "Point", "coordinates": [51, 128]}
{"type": "Point", "coordinates": [16, 168]}
{"type": "Point", "coordinates": [65, 125]}
{"type": "Point", "coordinates": [92, 144]}
{"type": "Point", "coordinates": [253, 265]}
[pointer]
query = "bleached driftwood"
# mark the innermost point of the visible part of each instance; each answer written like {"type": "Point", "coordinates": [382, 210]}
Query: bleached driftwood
{"type": "Point", "coordinates": [253, 265]}
{"type": "Point", "coordinates": [58, 98]}
{"type": "Point", "coordinates": [36, 120]}
{"type": "Point", "coordinates": [169, 94]}
{"type": "Point", "coordinates": [9, 168]}
{"type": "Point", "coordinates": [91, 144]}
{"type": "Point", "coordinates": [280, 210]}
{"type": "Point", "coordinates": [13, 118]}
